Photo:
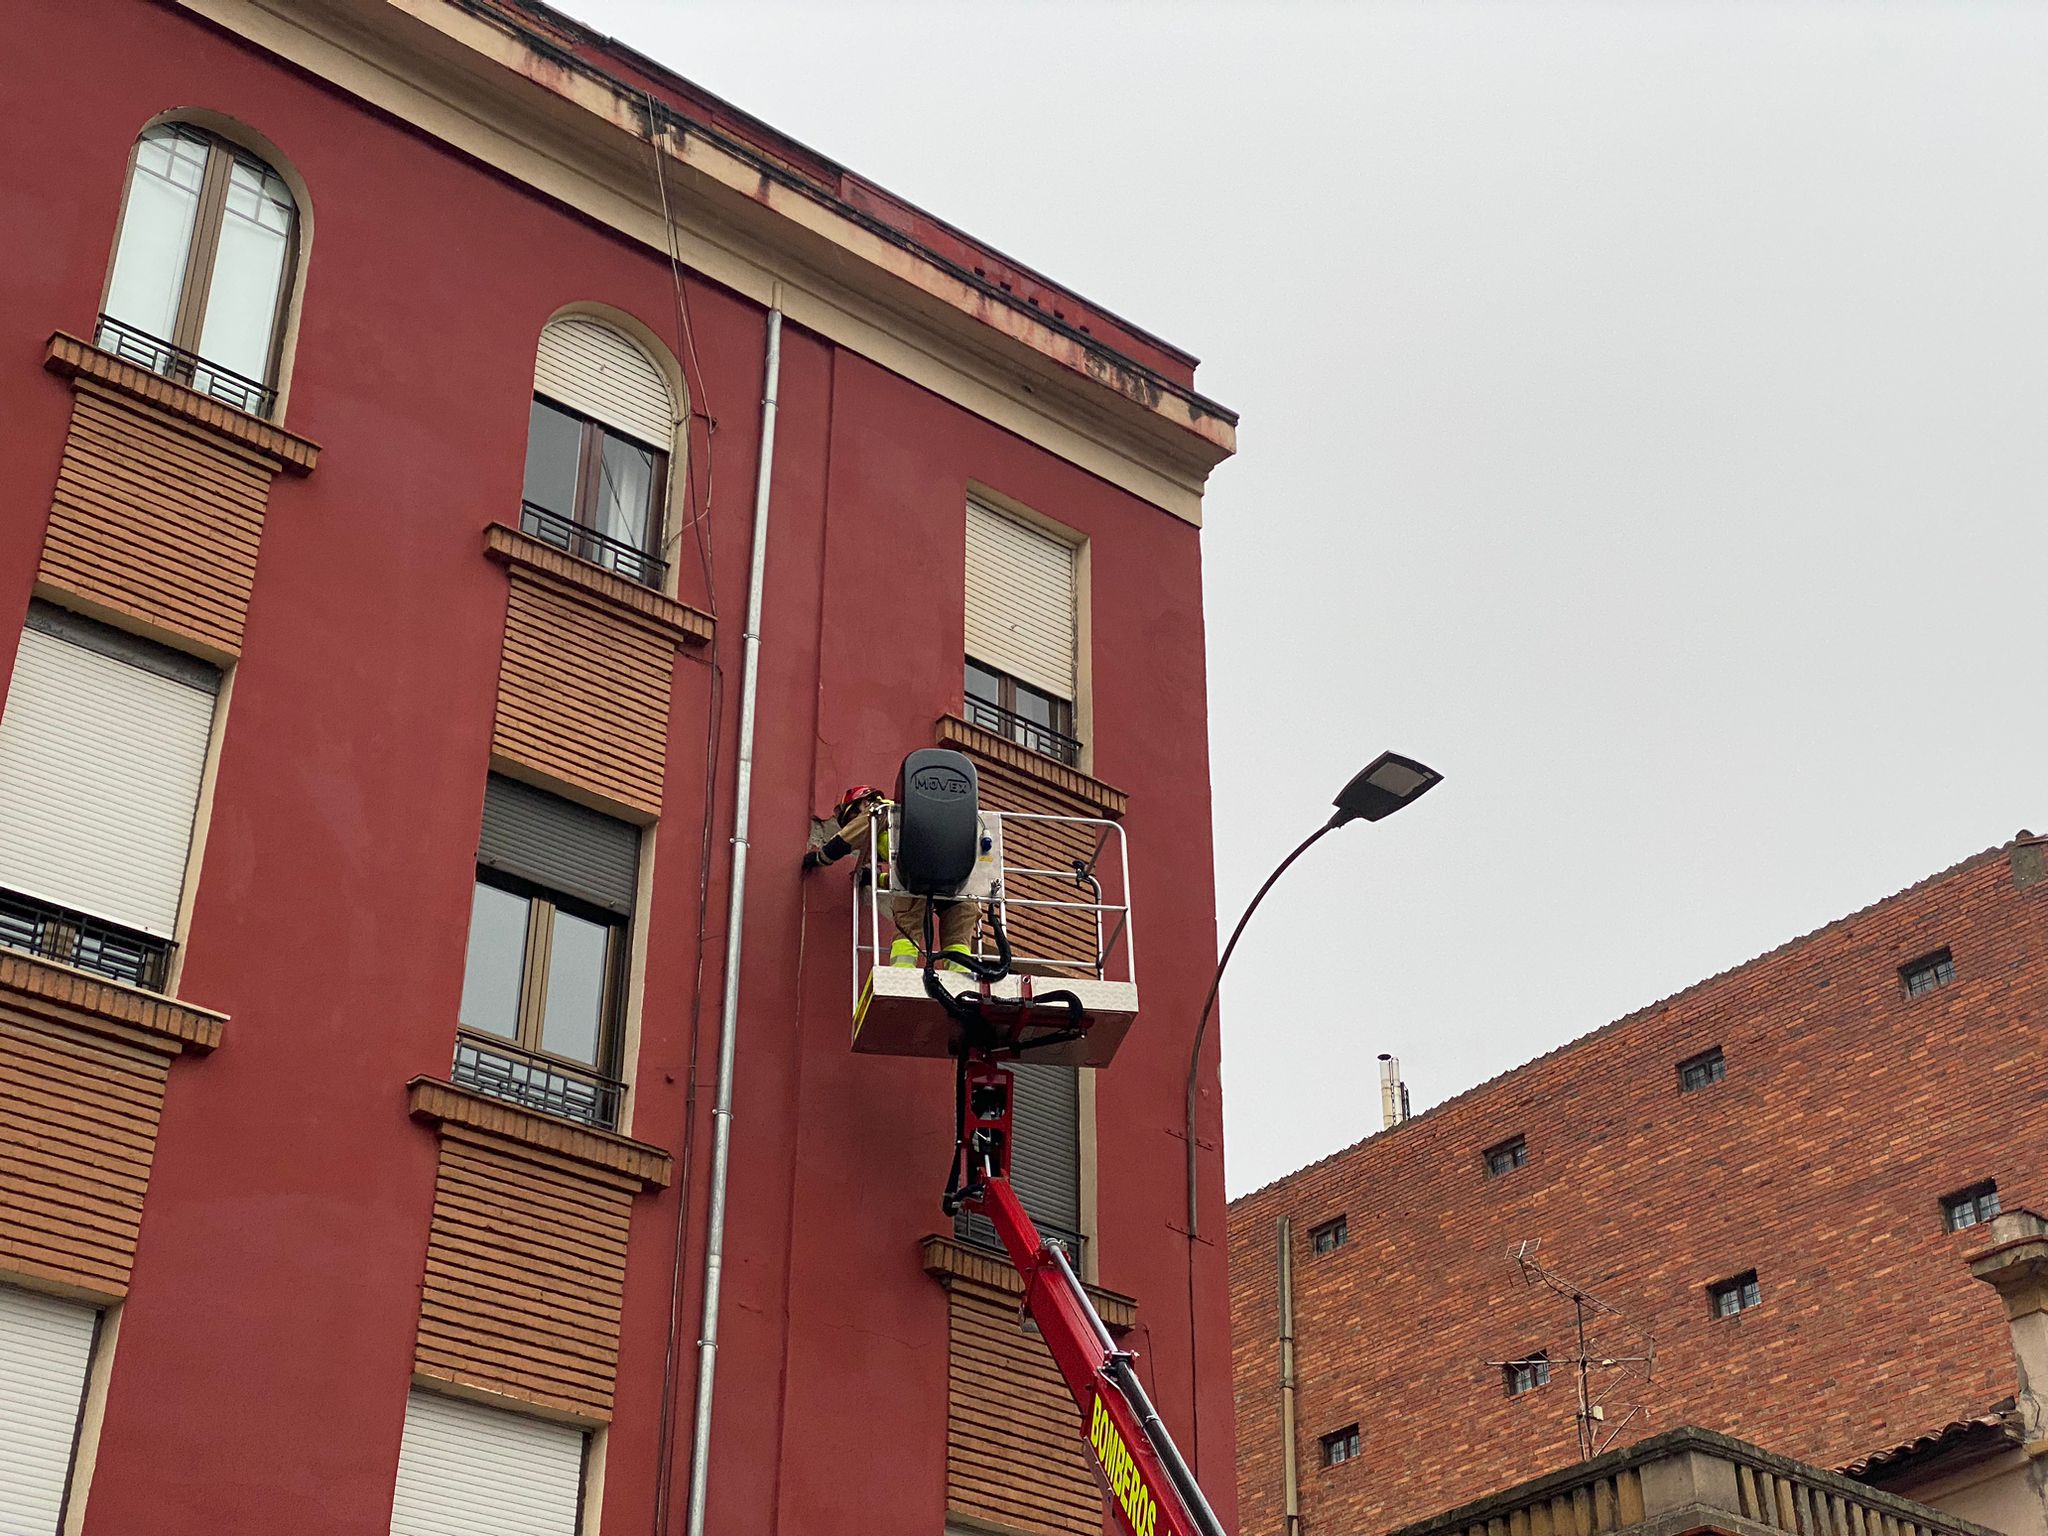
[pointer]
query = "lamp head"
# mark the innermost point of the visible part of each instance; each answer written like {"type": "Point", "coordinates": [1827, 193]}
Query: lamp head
{"type": "Point", "coordinates": [1381, 788]}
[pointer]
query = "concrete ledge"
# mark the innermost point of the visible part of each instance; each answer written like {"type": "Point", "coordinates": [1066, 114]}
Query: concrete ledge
{"type": "Point", "coordinates": [79, 998]}
{"type": "Point", "coordinates": [1688, 1480]}
{"type": "Point", "coordinates": [1109, 801]}
{"type": "Point", "coordinates": [443, 1103]}
{"type": "Point", "coordinates": [673, 621]}
{"type": "Point", "coordinates": [75, 359]}
{"type": "Point", "coordinates": [955, 1264]}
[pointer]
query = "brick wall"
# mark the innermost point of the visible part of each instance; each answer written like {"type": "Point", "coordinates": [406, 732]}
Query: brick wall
{"type": "Point", "coordinates": [1847, 1111]}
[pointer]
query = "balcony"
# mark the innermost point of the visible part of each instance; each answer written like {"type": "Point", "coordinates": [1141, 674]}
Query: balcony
{"type": "Point", "coordinates": [188, 368]}
{"type": "Point", "coordinates": [72, 938]}
{"type": "Point", "coordinates": [1692, 1480]}
{"type": "Point", "coordinates": [1030, 734]}
{"type": "Point", "coordinates": [573, 538]}
{"type": "Point", "coordinates": [533, 1081]}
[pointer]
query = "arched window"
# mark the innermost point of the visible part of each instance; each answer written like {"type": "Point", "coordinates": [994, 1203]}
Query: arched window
{"type": "Point", "coordinates": [597, 448]}
{"type": "Point", "coordinates": [203, 267]}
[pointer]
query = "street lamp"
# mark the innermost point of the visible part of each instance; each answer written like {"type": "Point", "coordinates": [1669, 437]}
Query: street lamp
{"type": "Point", "coordinates": [1375, 792]}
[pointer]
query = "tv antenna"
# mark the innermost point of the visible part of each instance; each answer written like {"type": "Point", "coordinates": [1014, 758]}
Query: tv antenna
{"type": "Point", "coordinates": [1603, 1371]}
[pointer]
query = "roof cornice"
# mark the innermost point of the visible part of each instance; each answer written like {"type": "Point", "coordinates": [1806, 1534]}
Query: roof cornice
{"type": "Point", "coordinates": [477, 79]}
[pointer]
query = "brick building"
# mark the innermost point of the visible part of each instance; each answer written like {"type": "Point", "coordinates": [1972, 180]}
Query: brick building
{"type": "Point", "coordinates": [1782, 1174]}
{"type": "Point", "coordinates": [403, 399]}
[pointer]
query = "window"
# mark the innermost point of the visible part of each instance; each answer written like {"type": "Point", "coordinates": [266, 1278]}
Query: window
{"type": "Point", "coordinates": [1027, 715]}
{"type": "Point", "coordinates": [1927, 973]}
{"type": "Point", "coordinates": [103, 743]}
{"type": "Point", "coordinates": [46, 1346]}
{"type": "Point", "coordinates": [543, 986]}
{"type": "Point", "coordinates": [1970, 1207]}
{"type": "Point", "coordinates": [1506, 1157]}
{"type": "Point", "coordinates": [1329, 1237]}
{"type": "Point", "coordinates": [203, 266]}
{"type": "Point", "coordinates": [1023, 632]}
{"type": "Point", "coordinates": [464, 1467]}
{"type": "Point", "coordinates": [597, 445]}
{"type": "Point", "coordinates": [1527, 1374]}
{"type": "Point", "coordinates": [1341, 1447]}
{"type": "Point", "coordinates": [1701, 1071]}
{"type": "Point", "coordinates": [1045, 1157]}
{"type": "Point", "coordinates": [1739, 1293]}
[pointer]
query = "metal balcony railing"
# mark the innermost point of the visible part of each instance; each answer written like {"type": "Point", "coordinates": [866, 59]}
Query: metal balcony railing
{"type": "Point", "coordinates": [1043, 739]}
{"type": "Point", "coordinates": [571, 537]}
{"type": "Point", "coordinates": [105, 949]}
{"type": "Point", "coordinates": [188, 368]}
{"type": "Point", "coordinates": [533, 1081]}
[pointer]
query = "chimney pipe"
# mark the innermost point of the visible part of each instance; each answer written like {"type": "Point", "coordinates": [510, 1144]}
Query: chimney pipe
{"type": "Point", "coordinates": [1393, 1093]}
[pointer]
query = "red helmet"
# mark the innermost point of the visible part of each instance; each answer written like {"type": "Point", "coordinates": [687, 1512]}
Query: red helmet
{"type": "Point", "coordinates": [854, 795]}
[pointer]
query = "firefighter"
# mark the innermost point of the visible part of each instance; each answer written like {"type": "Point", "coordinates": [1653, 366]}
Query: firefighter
{"type": "Point", "coordinates": [863, 828]}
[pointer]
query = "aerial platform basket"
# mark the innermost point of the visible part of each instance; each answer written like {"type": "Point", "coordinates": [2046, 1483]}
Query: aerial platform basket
{"type": "Point", "coordinates": [1060, 886]}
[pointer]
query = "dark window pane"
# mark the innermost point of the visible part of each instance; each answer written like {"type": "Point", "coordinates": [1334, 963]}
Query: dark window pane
{"type": "Point", "coordinates": [983, 684]}
{"type": "Point", "coordinates": [496, 967]}
{"type": "Point", "coordinates": [248, 271]}
{"type": "Point", "coordinates": [1036, 707]}
{"type": "Point", "coordinates": [156, 230]}
{"type": "Point", "coordinates": [575, 1000]}
{"type": "Point", "coordinates": [554, 441]}
{"type": "Point", "coordinates": [625, 492]}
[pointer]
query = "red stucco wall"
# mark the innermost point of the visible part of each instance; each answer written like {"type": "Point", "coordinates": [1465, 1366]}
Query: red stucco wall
{"type": "Point", "coordinates": [264, 1353]}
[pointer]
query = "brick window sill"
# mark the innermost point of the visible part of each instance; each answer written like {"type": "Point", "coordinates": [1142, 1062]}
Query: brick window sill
{"type": "Point", "coordinates": [443, 1103]}
{"type": "Point", "coordinates": [955, 1264]}
{"type": "Point", "coordinates": [1108, 801]}
{"type": "Point", "coordinates": [75, 359]}
{"type": "Point", "coordinates": [676, 622]}
{"type": "Point", "coordinates": [65, 994]}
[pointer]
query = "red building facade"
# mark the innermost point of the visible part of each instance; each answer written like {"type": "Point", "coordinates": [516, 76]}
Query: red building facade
{"type": "Point", "coordinates": [269, 1187]}
{"type": "Point", "coordinates": [1783, 1176]}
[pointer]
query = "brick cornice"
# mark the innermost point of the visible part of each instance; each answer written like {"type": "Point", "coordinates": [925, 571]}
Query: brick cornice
{"type": "Point", "coordinates": [957, 1265]}
{"type": "Point", "coordinates": [973, 740]}
{"type": "Point", "coordinates": [75, 359]}
{"type": "Point", "coordinates": [673, 621]}
{"type": "Point", "coordinates": [443, 1103]}
{"type": "Point", "coordinates": [95, 1003]}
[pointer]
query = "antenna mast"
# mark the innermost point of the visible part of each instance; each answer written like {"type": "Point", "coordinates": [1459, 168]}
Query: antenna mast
{"type": "Point", "coordinates": [1591, 1319]}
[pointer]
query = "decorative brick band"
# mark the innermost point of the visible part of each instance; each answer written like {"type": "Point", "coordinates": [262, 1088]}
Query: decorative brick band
{"type": "Point", "coordinates": [956, 732]}
{"type": "Point", "coordinates": [76, 359]}
{"type": "Point", "coordinates": [106, 1007]}
{"type": "Point", "coordinates": [674, 621]}
{"type": "Point", "coordinates": [442, 1103]}
{"type": "Point", "coordinates": [955, 1263]}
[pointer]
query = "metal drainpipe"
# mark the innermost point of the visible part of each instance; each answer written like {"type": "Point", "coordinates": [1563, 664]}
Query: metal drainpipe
{"type": "Point", "coordinates": [735, 928]}
{"type": "Point", "coordinates": [1289, 1473]}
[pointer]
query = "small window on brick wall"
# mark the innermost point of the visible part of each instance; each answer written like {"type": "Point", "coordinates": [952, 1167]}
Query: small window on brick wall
{"type": "Point", "coordinates": [1527, 1374]}
{"type": "Point", "coordinates": [1970, 1207]}
{"type": "Point", "coordinates": [1341, 1446]}
{"type": "Point", "coordinates": [1507, 1156]}
{"type": "Point", "coordinates": [1738, 1293]}
{"type": "Point", "coordinates": [1928, 973]}
{"type": "Point", "coordinates": [1329, 1236]}
{"type": "Point", "coordinates": [1701, 1071]}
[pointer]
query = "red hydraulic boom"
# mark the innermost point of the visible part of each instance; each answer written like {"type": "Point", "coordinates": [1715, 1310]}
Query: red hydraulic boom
{"type": "Point", "coordinates": [1148, 1482]}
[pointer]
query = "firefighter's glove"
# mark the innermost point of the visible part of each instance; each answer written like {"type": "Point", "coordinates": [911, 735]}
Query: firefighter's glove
{"type": "Point", "coordinates": [812, 860]}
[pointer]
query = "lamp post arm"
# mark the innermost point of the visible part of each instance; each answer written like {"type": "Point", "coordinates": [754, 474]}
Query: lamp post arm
{"type": "Point", "coordinates": [1209, 1006]}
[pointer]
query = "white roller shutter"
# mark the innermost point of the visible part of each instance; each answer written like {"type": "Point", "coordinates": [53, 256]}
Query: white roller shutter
{"type": "Point", "coordinates": [1022, 601]}
{"type": "Point", "coordinates": [45, 1347]}
{"type": "Point", "coordinates": [468, 1470]}
{"type": "Point", "coordinates": [593, 369]}
{"type": "Point", "coordinates": [100, 762]}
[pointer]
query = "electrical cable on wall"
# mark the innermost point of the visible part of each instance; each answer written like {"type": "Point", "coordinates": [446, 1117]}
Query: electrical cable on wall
{"type": "Point", "coordinates": [698, 522]}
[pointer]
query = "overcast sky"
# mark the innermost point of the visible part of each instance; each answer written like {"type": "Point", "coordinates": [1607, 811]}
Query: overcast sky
{"type": "Point", "coordinates": [1643, 416]}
